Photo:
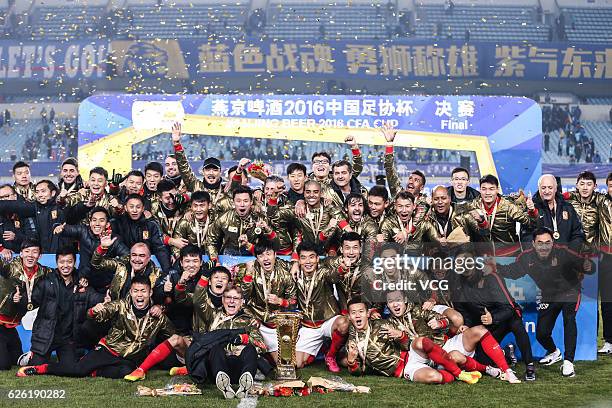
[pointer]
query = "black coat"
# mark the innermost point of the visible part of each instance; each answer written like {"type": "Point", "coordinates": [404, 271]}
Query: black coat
{"type": "Point", "coordinates": [46, 218]}
{"type": "Point", "coordinates": [88, 242]}
{"type": "Point", "coordinates": [196, 357]}
{"type": "Point", "coordinates": [12, 224]}
{"type": "Point", "coordinates": [568, 222]}
{"type": "Point", "coordinates": [45, 296]}
{"type": "Point", "coordinates": [143, 230]}
{"type": "Point", "coordinates": [470, 194]}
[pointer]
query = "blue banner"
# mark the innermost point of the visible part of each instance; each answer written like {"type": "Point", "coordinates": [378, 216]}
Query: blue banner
{"type": "Point", "coordinates": [53, 60]}
{"type": "Point", "coordinates": [398, 59]}
{"type": "Point", "coordinates": [338, 60]}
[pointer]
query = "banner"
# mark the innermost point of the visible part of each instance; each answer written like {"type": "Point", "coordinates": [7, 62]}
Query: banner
{"type": "Point", "coordinates": [407, 59]}
{"type": "Point", "coordinates": [339, 60]}
{"type": "Point", "coordinates": [523, 290]}
{"type": "Point", "coordinates": [53, 60]}
{"type": "Point", "coordinates": [504, 134]}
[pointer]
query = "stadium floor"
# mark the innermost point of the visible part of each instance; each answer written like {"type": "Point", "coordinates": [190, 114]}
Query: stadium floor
{"type": "Point", "coordinates": [591, 387]}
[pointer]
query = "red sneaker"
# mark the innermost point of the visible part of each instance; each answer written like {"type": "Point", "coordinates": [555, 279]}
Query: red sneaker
{"type": "Point", "coordinates": [331, 363]}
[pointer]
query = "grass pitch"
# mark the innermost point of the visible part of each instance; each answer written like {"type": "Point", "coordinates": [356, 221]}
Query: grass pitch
{"type": "Point", "coordinates": [592, 387]}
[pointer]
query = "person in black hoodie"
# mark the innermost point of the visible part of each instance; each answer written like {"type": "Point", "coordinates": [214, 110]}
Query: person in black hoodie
{"type": "Point", "coordinates": [133, 227]}
{"type": "Point", "coordinates": [46, 214]}
{"type": "Point", "coordinates": [88, 238]}
{"type": "Point", "coordinates": [460, 190]}
{"type": "Point", "coordinates": [62, 303]}
{"type": "Point", "coordinates": [557, 215]}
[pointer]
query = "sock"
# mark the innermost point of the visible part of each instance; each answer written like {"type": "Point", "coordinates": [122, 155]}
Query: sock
{"type": "Point", "coordinates": [446, 377]}
{"type": "Point", "coordinates": [181, 371]}
{"type": "Point", "coordinates": [473, 365]}
{"type": "Point", "coordinates": [309, 360]}
{"type": "Point", "coordinates": [159, 354]}
{"type": "Point", "coordinates": [337, 341]}
{"type": "Point", "coordinates": [492, 349]}
{"type": "Point", "coordinates": [440, 357]}
{"type": "Point", "coordinates": [41, 369]}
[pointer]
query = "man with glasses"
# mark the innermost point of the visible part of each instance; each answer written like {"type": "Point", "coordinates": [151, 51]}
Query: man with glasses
{"type": "Point", "coordinates": [557, 271]}
{"type": "Point", "coordinates": [321, 163]}
{"type": "Point", "coordinates": [460, 191]}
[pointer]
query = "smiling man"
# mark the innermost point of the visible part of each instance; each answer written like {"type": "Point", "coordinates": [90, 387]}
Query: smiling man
{"type": "Point", "coordinates": [44, 213]}
{"type": "Point", "coordinates": [17, 280]}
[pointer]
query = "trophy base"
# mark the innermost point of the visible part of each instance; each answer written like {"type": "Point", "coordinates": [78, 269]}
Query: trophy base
{"type": "Point", "coordinates": [286, 372]}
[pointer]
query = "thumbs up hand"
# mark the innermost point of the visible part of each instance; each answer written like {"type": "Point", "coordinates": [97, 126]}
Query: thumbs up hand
{"type": "Point", "coordinates": [486, 318]}
{"type": "Point", "coordinates": [17, 296]}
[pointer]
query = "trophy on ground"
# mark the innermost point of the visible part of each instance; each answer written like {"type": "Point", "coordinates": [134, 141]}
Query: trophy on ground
{"type": "Point", "coordinates": [287, 327]}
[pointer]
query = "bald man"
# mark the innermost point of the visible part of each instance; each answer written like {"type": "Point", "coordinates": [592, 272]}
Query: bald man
{"type": "Point", "coordinates": [557, 214]}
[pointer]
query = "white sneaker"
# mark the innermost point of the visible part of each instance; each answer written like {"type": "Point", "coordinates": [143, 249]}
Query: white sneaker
{"type": "Point", "coordinates": [567, 369]}
{"type": "Point", "coordinates": [606, 349]}
{"type": "Point", "coordinates": [493, 371]}
{"type": "Point", "coordinates": [510, 377]}
{"type": "Point", "coordinates": [551, 358]}
{"type": "Point", "coordinates": [224, 385]}
{"type": "Point", "coordinates": [245, 383]}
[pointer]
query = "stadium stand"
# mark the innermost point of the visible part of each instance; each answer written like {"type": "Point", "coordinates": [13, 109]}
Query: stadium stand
{"type": "Point", "coordinates": [328, 21]}
{"type": "Point", "coordinates": [63, 23]}
{"type": "Point", "coordinates": [185, 21]}
{"type": "Point", "coordinates": [587, 24]}
{"type": "Point", "coordinates": [484, 23]}
{"type": "Point", "coordinates": [599, 101]}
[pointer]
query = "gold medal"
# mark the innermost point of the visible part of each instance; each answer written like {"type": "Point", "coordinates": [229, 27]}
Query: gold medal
{"type": "Point", "coordinates": [556, 235]}
{"type": "Point", "coordinates": [30, 307]}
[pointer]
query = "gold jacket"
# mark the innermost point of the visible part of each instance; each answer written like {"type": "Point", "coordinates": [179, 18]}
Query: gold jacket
{"type": "Point", "coordinates": [431, 231]}
{"type": "Point", "coordinates": [605, 225]}
{"type": "Point", "coordinates": [122, 269]}
{"type": "Point", "coordinates": [130, 336]}
{"type": "Point", "coordinates": [315, 296]}
{"type": "Point", "coordinates": [167, 224]}
{"type": "Point", "coordinates": [221, 200]}
{"type": "Point", "coordinates": [382, 354]}
{"type": "Point", "coordinates": [414, 323]}
{"type": "Point", "coordinates": [395, 186]}
{"type": "Point", "coordinates": [252, 280]}
{"type": "Point", "coordinates": [507, 215]}
{"type": "Point", "coordinates": [12, 274]}
{"type": "Point", "coordinates": [193, 231]}
{"type": "Point", "coordinates": [588, 213]}
{"type": "Point", "coordinates": [28, 192]}
{"type": "Point", "coordinates": [224, 231]}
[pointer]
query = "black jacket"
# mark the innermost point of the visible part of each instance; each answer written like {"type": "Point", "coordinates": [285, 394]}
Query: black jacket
{"type": "Point", "coordinates": [568, 222]}
{"type": "Point", "coordinates": [470, 194]}
{"type": "Point", "coordinates": [11, 223]}
{"type": "Point", "coordinates": [88, 242]}
{"type": "Point", "coordinates": [558, 276]}
{"type": "Point", "coordinates": [488, 292]}
{"type": "Point", "coordinates": [46, 218]}
{"type": "Point", "coordinates": [197, 353]}
{"type": "Point", "coordinates": [355, 185]}
{"type": "Point", "coordinates": [45, 296]}
{"type": "Point", "coordinates": [143, 230]}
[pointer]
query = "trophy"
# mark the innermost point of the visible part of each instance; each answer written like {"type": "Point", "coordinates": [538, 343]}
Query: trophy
{"type": "Point", "coordinates": [287, 327]}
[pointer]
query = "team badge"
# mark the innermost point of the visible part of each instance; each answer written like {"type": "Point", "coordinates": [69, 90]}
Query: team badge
{"type": "Point", "coordinates": [53, 214]}
{"type": "Point", "coordinates": [17, 224]}
{"type": "Point", "coordinates": [554, 261]}
{"type": "Point", "coordinates": [232, 229]}
{"type": "Point", "coordinates": [145, 234]}
{"type": "Point", "coordinates": [565, 215]}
